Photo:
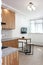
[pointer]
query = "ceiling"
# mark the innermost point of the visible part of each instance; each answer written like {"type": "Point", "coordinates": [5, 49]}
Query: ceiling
{"type": "Point", "coordinates": [21, 6]}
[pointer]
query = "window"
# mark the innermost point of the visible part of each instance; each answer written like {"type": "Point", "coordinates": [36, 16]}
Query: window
{"type": "Point", "coordinates": [36, 26]}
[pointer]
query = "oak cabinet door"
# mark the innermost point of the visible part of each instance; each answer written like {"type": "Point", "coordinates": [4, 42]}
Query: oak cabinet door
{"type": "Point", "coordinates": [8, 17]}
{"type": "Point", "coordinates": [3, 19]}
{"type": "Point", "coordinates": [3, 61]}
{"type": "Point", "coordinates": [12, 59]}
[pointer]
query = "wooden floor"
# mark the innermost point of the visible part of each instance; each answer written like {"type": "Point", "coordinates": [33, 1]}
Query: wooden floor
{"type": "Point", "coordinates": [35, 59]}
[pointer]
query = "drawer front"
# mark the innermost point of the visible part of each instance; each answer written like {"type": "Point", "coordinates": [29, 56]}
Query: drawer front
{"type": "Point", "coordinates": [11, 43]}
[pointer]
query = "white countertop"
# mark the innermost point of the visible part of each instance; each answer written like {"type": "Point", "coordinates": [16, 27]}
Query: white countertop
{"type": "Point", "coordinates": [8, 51]}
{"type": "Point", "coordinates": [7, 39]}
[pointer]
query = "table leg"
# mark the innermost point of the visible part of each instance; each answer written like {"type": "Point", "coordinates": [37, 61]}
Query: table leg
{"type": "Point", "coordinates": [30, 40]}
{"type": "Point", "coordinates": [22, 46]}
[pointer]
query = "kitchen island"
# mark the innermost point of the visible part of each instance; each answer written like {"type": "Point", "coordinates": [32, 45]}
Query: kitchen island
{"type": "Point", "coordinates": [10, 56]}
{"type": "Point", "coordinates": [10, 42]}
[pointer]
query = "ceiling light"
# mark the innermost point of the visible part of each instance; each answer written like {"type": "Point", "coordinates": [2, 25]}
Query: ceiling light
{"type": "Point", "coordinates": [31, 6]}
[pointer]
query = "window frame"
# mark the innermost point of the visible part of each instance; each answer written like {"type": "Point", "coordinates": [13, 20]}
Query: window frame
{"type": "Point", "coordinates": [35, 24]}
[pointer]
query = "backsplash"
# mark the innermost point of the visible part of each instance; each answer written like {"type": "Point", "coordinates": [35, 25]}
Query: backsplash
{"type": "Point", "coordinates": [6, 34]}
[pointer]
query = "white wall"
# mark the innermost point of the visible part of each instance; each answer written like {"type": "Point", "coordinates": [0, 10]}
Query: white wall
{"type": "Point", "coordinates": [21, 21]}
{"type": "Point", "coordinates": [36, 38]}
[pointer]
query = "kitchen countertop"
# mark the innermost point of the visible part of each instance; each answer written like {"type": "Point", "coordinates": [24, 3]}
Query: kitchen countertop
{"type": "Point", "coordinates": [7, 39]}
{"type": "Point", "coordinates": [8, 51]}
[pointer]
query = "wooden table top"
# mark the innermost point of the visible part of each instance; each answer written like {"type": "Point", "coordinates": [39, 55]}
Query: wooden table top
{"type": "Point", "coordinates": [24, 38]}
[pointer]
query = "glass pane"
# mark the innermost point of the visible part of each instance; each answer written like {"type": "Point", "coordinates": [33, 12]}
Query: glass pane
{"type": "Point", "coordinates": [32, 28]}
{"type": "Point", "coordinates": [38, 28]}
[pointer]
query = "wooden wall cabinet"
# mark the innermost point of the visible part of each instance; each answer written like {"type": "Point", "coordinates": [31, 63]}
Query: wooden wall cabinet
{"type": "Point", "coordinates": [11, 43]}
{"type": "Point", "coordinates": [12, 59]}
{"type": "Point", "coordinates": [8, 17]}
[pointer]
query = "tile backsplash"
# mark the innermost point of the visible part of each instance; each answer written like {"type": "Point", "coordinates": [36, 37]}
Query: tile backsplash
{"type": "Point", "coordinates": [6, 34]}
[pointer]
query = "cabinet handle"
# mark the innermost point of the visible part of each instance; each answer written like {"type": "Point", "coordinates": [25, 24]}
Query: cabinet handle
{"type": "Point", "coordinates": [3, 23]}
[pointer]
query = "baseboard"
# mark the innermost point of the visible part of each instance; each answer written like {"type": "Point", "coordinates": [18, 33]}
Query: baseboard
{"type": "Point", "coordinates": [38, 44]}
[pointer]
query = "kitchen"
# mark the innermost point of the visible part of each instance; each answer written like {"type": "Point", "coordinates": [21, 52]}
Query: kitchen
{"type": "Point", "coordinates": [12, 22]}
